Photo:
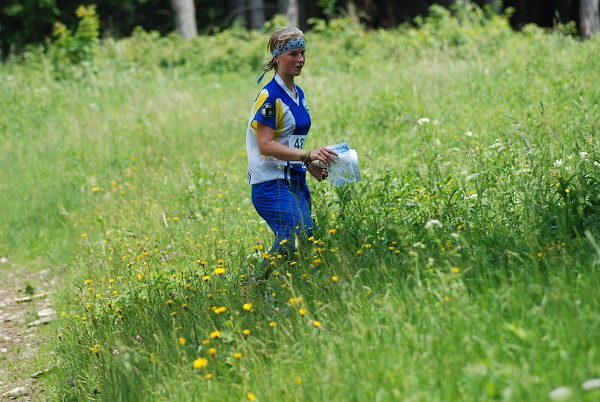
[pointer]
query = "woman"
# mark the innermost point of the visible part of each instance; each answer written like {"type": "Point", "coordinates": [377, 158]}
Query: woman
{"type": "Point", "coordinates": [275, 143]}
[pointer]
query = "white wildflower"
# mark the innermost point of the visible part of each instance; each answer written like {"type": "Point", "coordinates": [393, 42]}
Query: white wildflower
{"type": "Point", "coordinates": [592, 383]}
{"type": "Point", "coordinates": [557, 162]}
{"type": "Point", "coordinates": [423, 120]}
{"type": "Point", "coordinates": [584, 155]}
{"type": "Point", "coordinates": [469, 133]}
{"type": "Point", "coordinates": [560, 394]}
{"type": "Point", "coordinates": [432, 224]}
{"type": "Point", "coordinates": [496, 145]}
{"type": "Point", "coordinates": [473, 196]}
{"type": "Point", "coordinates": [418, 245]}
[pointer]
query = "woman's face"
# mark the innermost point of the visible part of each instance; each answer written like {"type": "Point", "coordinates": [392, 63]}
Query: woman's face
{"type": "Point", "coordinates": [291, 62]}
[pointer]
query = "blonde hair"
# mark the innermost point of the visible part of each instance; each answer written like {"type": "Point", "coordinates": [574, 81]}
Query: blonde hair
{"type": "Point", "coordinates": [277, 40]}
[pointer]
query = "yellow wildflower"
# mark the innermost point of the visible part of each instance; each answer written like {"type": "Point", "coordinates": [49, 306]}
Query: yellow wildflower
{"type": "Point", "coordinates": [219, 310]}
{"type": "Point", "coordinates": [200, 363]}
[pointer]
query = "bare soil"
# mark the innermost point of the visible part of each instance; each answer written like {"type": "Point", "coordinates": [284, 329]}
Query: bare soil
{"type": "Point", "coordinates": [25, 303]}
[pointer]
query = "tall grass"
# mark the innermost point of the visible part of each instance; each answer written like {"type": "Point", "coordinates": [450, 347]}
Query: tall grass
{"type": "Point", "coordinates": [462, 267]}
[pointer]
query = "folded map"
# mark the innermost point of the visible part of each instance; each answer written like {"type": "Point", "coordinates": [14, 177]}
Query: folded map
{"type": "Point", "coordinates": [345, 170]}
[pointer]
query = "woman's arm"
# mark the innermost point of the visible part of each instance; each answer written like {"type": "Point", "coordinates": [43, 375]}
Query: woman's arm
{"type": "Point", "coordinates": [269, 147]}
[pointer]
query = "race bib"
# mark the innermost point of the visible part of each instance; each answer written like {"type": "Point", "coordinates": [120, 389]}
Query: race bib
{"type": "Point", "coordinates": [297, 141]}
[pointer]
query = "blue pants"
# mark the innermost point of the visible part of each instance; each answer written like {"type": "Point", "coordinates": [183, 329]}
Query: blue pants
{"type": "Point", "coordinates": [286, 207]}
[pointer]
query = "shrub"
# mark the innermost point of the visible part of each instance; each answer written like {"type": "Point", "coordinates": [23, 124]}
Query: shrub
{"type": "Point", "coordinates": [76, 49]}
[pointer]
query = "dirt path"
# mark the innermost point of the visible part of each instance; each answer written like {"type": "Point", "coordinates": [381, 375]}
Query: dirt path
{"type": "Point", "coordinates": [24, 306]}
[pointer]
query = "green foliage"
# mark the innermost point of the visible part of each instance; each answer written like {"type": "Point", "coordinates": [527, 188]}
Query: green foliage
{"type": "Point", "coordinates": [328, 6]}
{"type": "Point", "coordinates": [278, 21]}
{"type": "Point", "coordinates": [573, 201]}
{"type": "Point", "coordinates": [460, 268]}
{"type": "Point", "coordinates": [76, 49]}
{"type": "Point", "coordinates": [461, 27]}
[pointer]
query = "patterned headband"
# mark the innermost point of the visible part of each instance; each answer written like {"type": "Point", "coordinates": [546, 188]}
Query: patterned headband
{"type": "Point", "coordinates": [289, 45]}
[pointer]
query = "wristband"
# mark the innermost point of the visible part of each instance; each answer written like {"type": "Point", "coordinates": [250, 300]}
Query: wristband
{"type": "Point", "coordinates": [305, 156]}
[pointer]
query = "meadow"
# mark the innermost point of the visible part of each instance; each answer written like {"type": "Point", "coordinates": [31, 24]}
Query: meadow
{"type": "Point", "coordinates": [463, 267]}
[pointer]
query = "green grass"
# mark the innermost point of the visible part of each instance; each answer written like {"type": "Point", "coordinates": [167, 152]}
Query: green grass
{"type": "Point", "coordinates": [462, 267]}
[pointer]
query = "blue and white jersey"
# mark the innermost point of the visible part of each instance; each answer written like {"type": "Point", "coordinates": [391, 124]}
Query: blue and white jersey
{"type": "Point", "coordinates": [276, 107]}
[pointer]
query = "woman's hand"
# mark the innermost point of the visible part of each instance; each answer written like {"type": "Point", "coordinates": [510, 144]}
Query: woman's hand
{"type": "Point", "coordinates": [323, 155]}
{"type": "Point", "coordinates": [316, 171]}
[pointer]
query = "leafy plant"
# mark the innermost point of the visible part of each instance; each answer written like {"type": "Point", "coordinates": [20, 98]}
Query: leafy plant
{"type": "Point", "coordinates": [76, 48]}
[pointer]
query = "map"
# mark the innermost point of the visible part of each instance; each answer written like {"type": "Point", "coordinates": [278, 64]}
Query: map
{"type": "Point", "coordinates": [345, 170]}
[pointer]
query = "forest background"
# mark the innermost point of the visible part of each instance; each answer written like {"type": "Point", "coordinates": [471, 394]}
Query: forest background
{"type": "Point", "coordinates": [29, 22]}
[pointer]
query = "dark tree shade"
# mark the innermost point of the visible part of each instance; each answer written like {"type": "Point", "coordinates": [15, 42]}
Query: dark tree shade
{"type": "Point", "coordinates": [24, 22]}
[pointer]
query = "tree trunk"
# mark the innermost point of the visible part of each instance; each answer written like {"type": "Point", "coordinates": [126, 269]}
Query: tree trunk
{"type": "Point", "coordinates": [292, 13]}
{"type": "Point", "coordinates": [257, 14]}
{"type": "Point", "coordinates": [589, 18]}
{"type": "Point", "coordinates": [185, 18]}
